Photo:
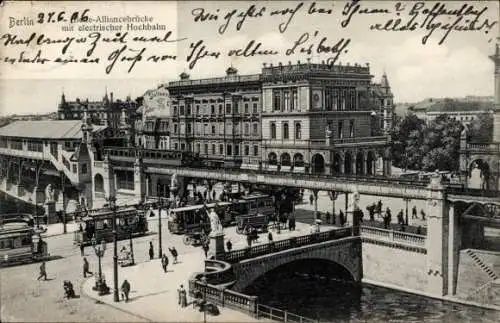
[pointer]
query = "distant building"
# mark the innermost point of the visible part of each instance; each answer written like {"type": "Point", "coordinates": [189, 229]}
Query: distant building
{"type": "Point", "coordinates": [463, 110]}
{"type": "Point", "coordinates": [106, 112]}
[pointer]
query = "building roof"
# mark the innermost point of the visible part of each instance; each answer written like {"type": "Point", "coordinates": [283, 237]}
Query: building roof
{"type": "Point", "coordinates": [53, 129]}
{"type": "Point", "coordinates": [457, 106]}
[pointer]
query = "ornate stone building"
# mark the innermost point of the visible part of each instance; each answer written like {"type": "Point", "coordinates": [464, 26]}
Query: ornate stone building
{"type": "Point", "coordinates": [218, 118]}
{"type": "Point", "coordinates": [322, 119]}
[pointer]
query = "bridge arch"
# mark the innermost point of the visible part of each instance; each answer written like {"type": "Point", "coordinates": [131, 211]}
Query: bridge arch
{"type": "Point", "coordinates": [318, 163]}
{"type": "Point", "coordinates": [345, 252]}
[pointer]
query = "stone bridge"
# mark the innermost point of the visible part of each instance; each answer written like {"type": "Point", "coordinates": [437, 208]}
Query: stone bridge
{"type": "Point", "coordinates": [345, 252]}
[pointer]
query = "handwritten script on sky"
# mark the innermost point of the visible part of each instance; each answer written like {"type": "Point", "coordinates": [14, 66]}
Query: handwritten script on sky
{"type": "Point", "coordinates": [84, 37]}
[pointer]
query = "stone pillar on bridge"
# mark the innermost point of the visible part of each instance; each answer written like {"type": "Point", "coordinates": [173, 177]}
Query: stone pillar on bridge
{"type": "Point", "coordinates": [139, 182]}
{"type": "Point", "coordinates": [454, 245]}
{"type": "Point", "coordinates": [315, 195]}
{"type": "Point", "coordinates": [437, 237]}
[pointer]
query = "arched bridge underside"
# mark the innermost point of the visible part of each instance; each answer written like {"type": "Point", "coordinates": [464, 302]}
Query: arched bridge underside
{"type": "Point", "coordinates": [345, 252]}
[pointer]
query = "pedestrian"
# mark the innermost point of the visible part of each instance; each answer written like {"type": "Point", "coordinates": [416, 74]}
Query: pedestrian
{"type": "Point", "coordinates": [205, 249]}
{"type": "Point", "coordinates": [125, 290]}
{"type": "Point", "coordinates": [86, 268]}
{"type": "Point", "coordinates": [311, 199]}
{"type": "Point", "coordinates": [422, 213]}
{"type": "Point", "coordinates": [229, 245]}
{"type": "Point", "coordinates": [43, 272]}
{"type": "Point", "coordinates": [151, 251]}
{"type": "Point", "coordinates": [389, 216]}
{"type": "Point", "coordinates": [414, 212]}
{"type": "Point", "coordinates": [406, 218]}
{"type": "Point", "coordinates": [182, 296]}
{"type": "Point", "coordinates": [402, 229]}
{"type": "Point", "coordinates": [400, 217]}
{"type": "Point", "coordinates": [341, 218]}
{"type": "Point", "coordinates": [82, 249]}
{"type": "Point", "coordinates": [174, 253]}
{"type": "Point", "coordinates": [249, 239]}
{"type": "Point", "coordinates": [164, 262]}
{"type": "Point", "coordinates": [270, 237]}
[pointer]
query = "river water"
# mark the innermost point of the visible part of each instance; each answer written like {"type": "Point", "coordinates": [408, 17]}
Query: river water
{"type": "Point", "coordinates": [332, 300]}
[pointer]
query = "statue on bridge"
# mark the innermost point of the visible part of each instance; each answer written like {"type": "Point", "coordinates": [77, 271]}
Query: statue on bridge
{"type": "Point", "coordinates": [49, 194]}
{"type": "Point", "coordinates": [215, 225]}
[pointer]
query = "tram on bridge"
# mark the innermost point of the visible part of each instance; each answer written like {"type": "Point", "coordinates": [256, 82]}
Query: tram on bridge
{"type": "Point", "coordinates": [193, 218]}
{"type": "Point", "coordinates": [130, 221]}
{"type": "Point", "coordinates": [20, 242]}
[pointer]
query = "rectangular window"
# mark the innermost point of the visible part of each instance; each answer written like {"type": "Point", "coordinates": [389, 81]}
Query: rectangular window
{"type": "Point", "coordinates": [197, 148]}
{"type": "Point", "coordinates": [189, 128]}
{"type": "Point", "coordinates": [182, 110]}
{"type": "Point", "coordinates": [213, 149]}
{"type": "Point", "coordinates": [176, 128]}
{"type": "Point", "coordinates": [213, 129]}
{"type": "Point", "coordinates": [125, 179]}
{"type": "Point", "coordinates": [221, 149]}
{"type": "Point", "coordinates": [294, 104]}
{"type": "Point", "coordinates": [220, 109]}
{"type": "Point", "coordinates": [236, 108]}
{"type": "Point", "coordinates": [298, 130]}
{"type": "Point", "coordinates": [247, 150]}
{"type": "Point", "coordinates": [340, 130]}
{"type": "Point", "coordinates": [285, 130]}
{"type": "Point", "coordinates": [247, 129]}
{"type": "Point", "coordinates": [277, 100]}
{"type": "Point", "coordinates": [246, 108]}
{"type": "Point", "coordinates": [287, 100]}
{"type": "Point", "coordinates": [237, 150]}
{"type": "Point", "coordinates": [206, 148]}
{"type": "Point", "coordinates": [273, 130]}
{"type": "Point", "coordinates": [183, 146]}
{"type": "Point", "coordinates": [84, 169]}
{"type": "Point", "coordinates": [205, 129]}
{"type": "Point", "coordinates": [228, 108]}
{"type": "Point", "coordinates": [255, 150]}
{"type": "Point", "coordinates": [255, 129]}
{"type": "Point", "coordinates": [197, 109]}
{"type": "Point", "coordinates": [229, 150]}
{"type": "Point", "coordinates": [212, 109]}
{"type": "Point", "coordinates": [176, 146]}
{"type": "Point", "coordinates": [189, 109]}
{"type": "Point", "coordinates": [255, 110]}
{"type": "Point", "coordinates": [351, 129]}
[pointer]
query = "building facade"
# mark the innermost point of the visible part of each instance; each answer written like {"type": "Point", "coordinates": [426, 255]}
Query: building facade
{"type": "Point", "coordinates": [217, 118]}
{"type": "Point", "coordinates": [322, 119]}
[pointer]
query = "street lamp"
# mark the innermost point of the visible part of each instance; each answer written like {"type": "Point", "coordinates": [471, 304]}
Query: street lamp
{"type": "Point", "coordinates": [100, 284]}
{"type": "Point", "coordinates": [113, 207]}
{"type": "Point", "coordinates": [161, 205]}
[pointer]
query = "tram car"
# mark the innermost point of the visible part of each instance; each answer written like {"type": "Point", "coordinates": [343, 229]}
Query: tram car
{"type": "Point", "coordinates": [20, 242]}
{"type": "Point", "coordinates": [129, 221]}
{"type": "Point", "coordinates": [193, 218]}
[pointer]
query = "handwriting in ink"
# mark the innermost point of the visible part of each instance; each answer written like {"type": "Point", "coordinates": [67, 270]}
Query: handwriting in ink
{"type": "Point", "coordinates": [199, 51]}
{"type": "Point", "coordinates": [306, 45]}
{"type": "Point", "coordinates": [354, 7]}
{"type": "Point", "coordinates": [288, 11]}
{"type": "Point", "coordinates": [119, 55]}
{"type": "Point", "coordinates": [37, 59]}
{"type": "Point", "coordinates": [251, 12]}
{"type": "Point", "coordinates": [251, 49]}
{"type": "Point", "coordinates": [156, 39]}
{"type": "Point", "coordinates": [201, 16]}
{"type": "Point", "coordinates": [313, 9]}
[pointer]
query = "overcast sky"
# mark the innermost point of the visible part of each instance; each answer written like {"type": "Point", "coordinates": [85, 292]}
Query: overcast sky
{"type": "Point", "coordinates": [458, 67]}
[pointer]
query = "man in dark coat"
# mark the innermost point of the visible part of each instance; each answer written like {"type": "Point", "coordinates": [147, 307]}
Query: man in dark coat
{"type": "Point", "coordinates": [151, 251]}
{"type": "Point", "coordinates": [125, 290]}
{"type": "Point", "coordinates": [43, 272]}
{"type": "Point", "coordinates": [86, 268]}
{"type": "Point", "coordinates": [174, 253]}
{"type": "Point", "coordinates": [164, 262]}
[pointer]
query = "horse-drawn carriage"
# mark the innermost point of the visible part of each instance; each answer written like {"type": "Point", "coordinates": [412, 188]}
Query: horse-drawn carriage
{"type": "Point", "coordinates": [195, 238]}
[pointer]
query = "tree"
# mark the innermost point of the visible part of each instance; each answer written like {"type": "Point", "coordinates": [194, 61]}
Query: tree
{"type": "Point", "coordinates": [400, 135]}
{"type": "Point", "coordinates": [481, 128]}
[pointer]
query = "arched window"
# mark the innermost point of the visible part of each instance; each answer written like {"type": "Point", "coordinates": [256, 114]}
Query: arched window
{"type": "Point", "coordinates": [99, 183]}
{"type": "Point", "coordinates": [285, 130]}
{"type": "Point", "coordinates": [298, 131]}
{"type": "Point", "coordinates": [298, 160]}
{"type": "Point", "coordinates": [273, 130]}
{"type": "Point", "coordinates": [285, 159]}
{"type": "Point", "coordinates": [272, 159]}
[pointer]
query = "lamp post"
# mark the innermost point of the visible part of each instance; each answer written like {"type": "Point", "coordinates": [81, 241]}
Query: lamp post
{"type": "Point", "coordinates": [161, 205]}
{"type": "Point", "coordinates": [100, 284]}
{"type": "Point", "coordinates": [113, 207]}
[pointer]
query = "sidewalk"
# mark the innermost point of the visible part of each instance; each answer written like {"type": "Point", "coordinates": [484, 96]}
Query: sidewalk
{"type": "Point", "coordinates": [153, 293]}
{"type": "Point", "coordinates": [57, 229]}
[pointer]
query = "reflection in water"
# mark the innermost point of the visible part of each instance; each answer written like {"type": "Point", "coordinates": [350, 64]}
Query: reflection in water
{"type": "Point", "coordinates": [324, 291]}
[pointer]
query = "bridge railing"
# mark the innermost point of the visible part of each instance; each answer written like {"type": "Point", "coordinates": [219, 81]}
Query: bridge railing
{"type": "Point", "coordinates": [393, 236]}
{"type": "Point", "coordinates": [272, 313]}
{"type": "Point", "coordinates": [280, 245]}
